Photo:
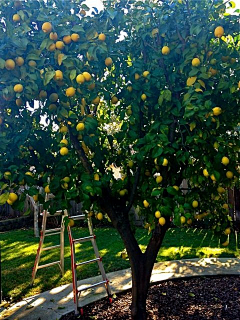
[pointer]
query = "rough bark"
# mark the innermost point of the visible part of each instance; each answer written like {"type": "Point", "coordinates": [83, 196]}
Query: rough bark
{"type": "Point", "coordinates": [141, 263]}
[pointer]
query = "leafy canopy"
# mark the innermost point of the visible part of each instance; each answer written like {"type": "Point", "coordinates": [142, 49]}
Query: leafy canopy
{"type": "Point", "coordinates": [149, 86]}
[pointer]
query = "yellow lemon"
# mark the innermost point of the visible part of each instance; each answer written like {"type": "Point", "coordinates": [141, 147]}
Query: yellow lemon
{"type": "Point", "coordinates": [165, 162]}
{"type": "Point", "coordinates": [52, 47]}
{"type": "Point", "coordinates": [136, 76]}
{"type": "Point", "coordinates": [7, 175]}
{"type": "Point", "coordinates": [16, 17]}
{"type": "Point", "coordinates": [35, 197]}
{"type": "Point", "coordinates": [146, 73]}
{"type": "Point", "coordinates": [19, 102]}
{"type": "Point", "coordinates": [143, 97]}
{"type": "Point", "coordinates": [145, 203]}
{"type": "Point", "coordinates": [96, 177]}
{"type": "Point", "coordinates": [80, 126]}
{"type": "Point", "coordinates": [80, 79]}
{"type": "Point", "coordinates": [165, 50]}
{"type": "Point", "coordinates": [122, 192]}
{"type": "Point", "coordinates": [227, 231]}
{"type": "Point", "coordinates": [75, 37]}
{"type": "Point", "coordinates": [157, 214]}
{"type": "Point", "coordinates": [96, 101]}
{"type": "Point", "coordinates": [66, 179]}
{"type": "Point", "coordinates": [18, 88]}
{"type": "Point", "coordinates": [64, 141]}
{"type": "Point", "coordinates": [59, 45]}
{"type": "Point", "coordinates": [217, 111]}
{"type": "Point", "coordinates": [219, 32]}
{"type": "Point", "coordinates": [196, 62]}
{"type": "Point", "coordinates": [87, 76]}
{"type": "Point", "coordinates": [108, 62]}
{"type": "Point", "coordinates": [162, 221]}
{"type": "Point", "coordinates": [70, 92]}
{"type": "Point", "coordinates": [64, 185]}
{"type": "Point", "coordinates": [47, 27]}
{"type": "Point", "coordinates": [114, 100]}
{"type": "Point", "coordinates": [99, 216]}
{"type": "Point", "coordinates": [53, 36]}
{"type": "Point", "coordinates": [63, 129]}
{"type": "Point", "coordinates": [71, 223]}
{"type": "Point", "coordinates": [47, 189]}
{"type": "Point", "coordinates": [182, 219]}
{"type": "Point", "coordinates": [58, 75]}
{"type": "Point", "coordinates": [205, 173]}
{"type": "Point", "coordinates": [220, 190]}
{"type": "Point", "coordinates": [176, 188]}
{"type": "Point", "coordinates": [225, 161]}
{"type": "Point", "coordinates": [19, 61]}
{"type": "Point", "coordinates": [102, 37]}
{"type": "Point", "coordinates": [64, 151]}
{"type": "Point", "coordinates": [229, 174]}
{"type": "Point", "coordinates": [13, 196]}
{"type": "Point", "coordinates": [67, 39]}
{"type": "Point", "coordinates": [195, 204]}
{"type": "Point", "coordinates": [159, 179]}
{"type": "Point", "coordinates": [32, 63]}
{"type": "Point", "coordinates": [9, 64]}
{"type": "Point", "coordinates": [9, 202]}
{"type": "Point", "coordinates": [225, 206]}
{"type": "Point", "coordinates": [213, 177]}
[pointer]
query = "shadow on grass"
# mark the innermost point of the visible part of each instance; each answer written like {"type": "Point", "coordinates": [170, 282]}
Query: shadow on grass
{"type": "Point", "coordinates": [19, 250]}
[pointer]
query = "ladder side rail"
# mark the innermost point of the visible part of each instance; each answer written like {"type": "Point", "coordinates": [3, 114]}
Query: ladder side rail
{"type": "Point", "coordinates": [74, 272]}
{"type": "Point", "coordinates": [39, 250]}
{"type": "Point", "coordinates": [100, 263]}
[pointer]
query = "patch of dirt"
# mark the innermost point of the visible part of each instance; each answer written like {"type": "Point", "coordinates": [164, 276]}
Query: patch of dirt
{"type": "Point", "coordinates": [195, 298]}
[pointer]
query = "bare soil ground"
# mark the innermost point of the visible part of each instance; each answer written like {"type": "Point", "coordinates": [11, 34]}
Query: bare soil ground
{"type": "Point", "coordinates": [195, 298]}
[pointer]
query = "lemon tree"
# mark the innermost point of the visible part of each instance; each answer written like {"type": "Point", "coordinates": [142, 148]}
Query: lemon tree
{"type": "Point", "coordinates": [115, 109]}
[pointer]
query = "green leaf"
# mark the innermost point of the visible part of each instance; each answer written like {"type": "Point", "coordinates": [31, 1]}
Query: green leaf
{"type": "Point", "coordinates": [172, 191]}
{"type": "Point", "coordinates": [77, 28]}
{"type": "Point", "coordinates": [156, 192]}
{"type": "Point", "coordinates": [157, 151]}
{"type": "Point", "coordinates": [3, 198]}
{"type": "Point", "coordinates": [48, 77]}
{"type": "Point", "coordinates": [64, 112]}
{"type": "Point", "coordinates": [73, 74]}
{"type": "Point", "coordinates": [2, 63]}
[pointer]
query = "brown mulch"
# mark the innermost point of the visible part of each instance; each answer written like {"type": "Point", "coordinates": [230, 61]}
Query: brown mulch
{"type": "Point", "coordinates": [195, 298]}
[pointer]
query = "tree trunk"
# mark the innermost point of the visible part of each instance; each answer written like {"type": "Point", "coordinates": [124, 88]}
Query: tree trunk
{"type": "Point", "coordinates": [141, 263]}
{"type": "Point", "coordinates": [140, 283]}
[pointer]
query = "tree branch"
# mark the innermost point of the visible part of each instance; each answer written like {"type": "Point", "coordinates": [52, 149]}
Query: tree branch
{"type": "Point", "coordinates": [133, 191]}
{"type": "Point", "coordinates": [80, 152]}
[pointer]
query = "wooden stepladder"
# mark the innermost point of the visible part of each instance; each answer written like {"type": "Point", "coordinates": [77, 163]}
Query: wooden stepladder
{"type": "Point", "coordinates": [74, 264]}
{"type": "Point", "coordinates": [46, 233]}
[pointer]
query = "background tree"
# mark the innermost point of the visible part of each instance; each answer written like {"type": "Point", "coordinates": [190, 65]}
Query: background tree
{"type": "Point", "coordinates": [152, 87]}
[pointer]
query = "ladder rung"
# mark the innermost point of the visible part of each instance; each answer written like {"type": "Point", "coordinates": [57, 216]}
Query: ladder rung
{"type": "Point", "coordinates": [94, 285]}
{"type": "Point", "coordinates": [52, 247]}
{"type": "Point", "coordinates": [88, 261]}
{"type": "Point", "coordinates": [79, 217]}
{"type": "Point", "coordinates": [52, 230]}
{"type": "Point", "coordinates": [52, 234]}
{"type": "Point", "coordinates": [57, 213]}
{"type": "Point", "coordinates": [84, 239]}
{"type": "Point", "coordinates": [48, 264]}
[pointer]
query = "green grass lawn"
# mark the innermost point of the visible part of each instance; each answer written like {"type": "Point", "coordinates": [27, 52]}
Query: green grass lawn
{"type": "Point", "coordinates": [19, 250]}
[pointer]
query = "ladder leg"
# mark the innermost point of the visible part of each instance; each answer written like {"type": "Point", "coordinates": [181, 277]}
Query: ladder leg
{"type": "Point", "coordinates": [100, 264]}
{"type": "Point", "coordinates": [39, 250]}
{"type": "Point", "coordinates": [62, 246]}
{"type": "Point", "coordinates": [74, 272]}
